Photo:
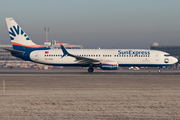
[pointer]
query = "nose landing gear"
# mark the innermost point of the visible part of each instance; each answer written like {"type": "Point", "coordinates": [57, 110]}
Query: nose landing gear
{"type": "Point", "coordinates": [159, 70]}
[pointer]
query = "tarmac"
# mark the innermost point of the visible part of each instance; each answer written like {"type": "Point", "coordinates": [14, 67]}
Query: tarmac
{"type": "Point", "coordinates": [83, 72]}
{"type": "Point", "coordinates": [72, 93]}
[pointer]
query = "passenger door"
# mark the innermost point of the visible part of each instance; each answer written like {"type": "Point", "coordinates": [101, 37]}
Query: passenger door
{"type": "Point", "coordinates": [157, 56]}
{"type": "Point", "coordinates": [36, 56]}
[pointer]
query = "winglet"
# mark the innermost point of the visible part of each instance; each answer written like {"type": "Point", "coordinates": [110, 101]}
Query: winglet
{"type": "Point", "coordinates": [69, 46]}
{"type": "Point", "coordinates": [63, 49]}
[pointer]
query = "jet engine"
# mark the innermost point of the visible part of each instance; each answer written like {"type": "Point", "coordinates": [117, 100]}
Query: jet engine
{"type": "Point", "coordinates": [111, 65]}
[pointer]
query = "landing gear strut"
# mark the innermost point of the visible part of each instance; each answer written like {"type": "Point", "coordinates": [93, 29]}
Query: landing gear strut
{"type": "Point", "coordinates": [159, 70]}
{"type": "Point", "coordinates": [90, 70]}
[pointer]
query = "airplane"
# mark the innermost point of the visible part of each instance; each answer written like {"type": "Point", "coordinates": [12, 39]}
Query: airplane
{"type": "Point", "coordinates": [105, 59]}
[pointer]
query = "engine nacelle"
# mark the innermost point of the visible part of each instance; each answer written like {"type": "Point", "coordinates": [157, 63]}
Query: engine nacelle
{"type": "Point", "coordinates": [109, 65]}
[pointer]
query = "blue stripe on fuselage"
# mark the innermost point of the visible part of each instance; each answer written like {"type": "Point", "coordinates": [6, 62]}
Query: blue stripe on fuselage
{"type": "Point", "coordinates": [98, 65]}
{"type": "Point", "coordinates": [27, 50]}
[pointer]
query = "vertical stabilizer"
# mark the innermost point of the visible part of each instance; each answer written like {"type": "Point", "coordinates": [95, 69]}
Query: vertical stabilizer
{"type": "Point", "coordinates": [19, 38]}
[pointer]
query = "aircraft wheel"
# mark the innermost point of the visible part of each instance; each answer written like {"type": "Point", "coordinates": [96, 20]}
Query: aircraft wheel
{"type": "Point", "coordinates": [90, 70]}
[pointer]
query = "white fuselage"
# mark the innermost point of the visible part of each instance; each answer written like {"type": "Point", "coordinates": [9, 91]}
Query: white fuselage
{"type": "Point", "coordinates": [124, 57]}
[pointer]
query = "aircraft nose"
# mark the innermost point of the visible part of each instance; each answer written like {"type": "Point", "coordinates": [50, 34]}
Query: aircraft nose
{"type": "Point", "coordinates": [175, 60]}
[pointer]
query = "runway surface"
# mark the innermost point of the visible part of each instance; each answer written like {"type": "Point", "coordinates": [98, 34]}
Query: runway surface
{"type": "Point", "coordinates": [83, 72]}
{"type": "Point", "coordinates": [92, 97]}
{"type": "Point", "coordinates": [76, 94]}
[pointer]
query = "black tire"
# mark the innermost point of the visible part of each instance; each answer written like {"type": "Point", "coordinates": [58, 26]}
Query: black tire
{"type": "Point", "coordinates": [90, 70]}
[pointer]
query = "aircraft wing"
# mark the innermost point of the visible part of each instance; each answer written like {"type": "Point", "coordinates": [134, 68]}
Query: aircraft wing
{"type": "Point", "coordinates": [83, 59]}
{"type": "Point", "coordinates": [78, 58]}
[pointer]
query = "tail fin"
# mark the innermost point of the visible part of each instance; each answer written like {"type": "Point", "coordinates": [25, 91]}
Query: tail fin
{"type": "Point", "coordinates": [19, 39]}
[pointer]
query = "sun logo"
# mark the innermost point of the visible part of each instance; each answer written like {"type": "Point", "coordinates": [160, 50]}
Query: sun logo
{"type": "Point", "coordinates": [16, 31]}
{"type": "Point", "coordinates": [166, 60]}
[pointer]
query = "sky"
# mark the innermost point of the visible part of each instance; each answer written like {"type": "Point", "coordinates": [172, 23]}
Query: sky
{"type": "Point", "coordinates": [123, 24]}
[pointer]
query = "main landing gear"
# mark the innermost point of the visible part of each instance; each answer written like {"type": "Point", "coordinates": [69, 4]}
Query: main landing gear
{"type": "Point", "coordinates": [90, 69]}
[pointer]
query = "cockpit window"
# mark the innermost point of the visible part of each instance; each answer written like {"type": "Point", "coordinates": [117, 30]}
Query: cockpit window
{"type": "Point", "coordinates": [166, 55]}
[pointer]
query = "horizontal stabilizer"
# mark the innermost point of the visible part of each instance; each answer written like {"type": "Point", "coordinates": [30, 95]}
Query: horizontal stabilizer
{"type": "Point", "coordinates": [14, 51]}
